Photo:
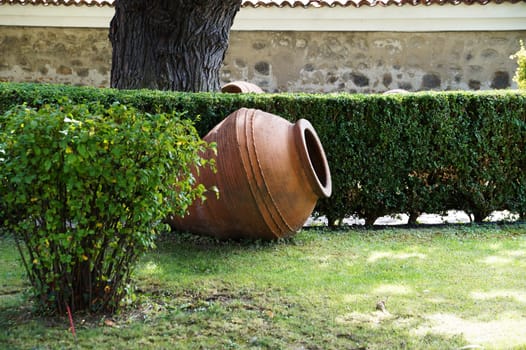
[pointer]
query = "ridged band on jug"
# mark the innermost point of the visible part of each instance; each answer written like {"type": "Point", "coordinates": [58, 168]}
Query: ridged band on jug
{"type": "Point", "coordinates": [261, 194]}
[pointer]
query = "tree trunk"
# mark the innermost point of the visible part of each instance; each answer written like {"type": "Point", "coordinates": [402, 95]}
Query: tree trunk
{"type": "Point", "coordinates": [170, 44]}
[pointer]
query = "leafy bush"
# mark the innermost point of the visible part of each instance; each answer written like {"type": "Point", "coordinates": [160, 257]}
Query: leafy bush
{"type": "Point", "coordinates": [85, 189]}
{"type": "Point", "coordinates": [520, 74]}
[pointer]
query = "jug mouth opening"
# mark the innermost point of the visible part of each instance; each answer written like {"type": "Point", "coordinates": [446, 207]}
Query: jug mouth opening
{"type": "Point", "coordinates": [312, 153]}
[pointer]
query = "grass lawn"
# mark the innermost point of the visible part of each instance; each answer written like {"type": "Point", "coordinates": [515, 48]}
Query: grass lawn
{"type": "Point", "coordinates": [447, 287]}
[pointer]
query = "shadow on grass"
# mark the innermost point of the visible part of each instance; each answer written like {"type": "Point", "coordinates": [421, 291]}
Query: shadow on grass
{"type": "Point", "coordinates": [196, 292]}
{"type": "Point", "coordinates": [413, 227]}
{"type": "Point", "coordinates": [474, 296]}
{"type": "Point", "coordinates": [222, 319]}
{"type": "Point", "coordinates": [14, 315]}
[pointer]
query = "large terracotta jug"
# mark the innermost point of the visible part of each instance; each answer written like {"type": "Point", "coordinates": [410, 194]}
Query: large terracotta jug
{"type": "Point", "coordinates": [270, 173]}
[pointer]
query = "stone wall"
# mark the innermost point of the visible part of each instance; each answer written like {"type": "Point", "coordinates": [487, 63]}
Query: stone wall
{"type": "Point", "coordinates": [55, 55]}
{"type": "Point", "coordinates": [373, 61]}
{"type": "Point", "coordinates": [287, 61]}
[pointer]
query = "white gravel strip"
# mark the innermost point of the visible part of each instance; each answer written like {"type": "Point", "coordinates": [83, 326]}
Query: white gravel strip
{"type": "Point", "coordinates": [451, 217]}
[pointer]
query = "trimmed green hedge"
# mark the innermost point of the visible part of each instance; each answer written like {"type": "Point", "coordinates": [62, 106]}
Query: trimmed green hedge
{"type": "Point", "coordinates": [406, 153]}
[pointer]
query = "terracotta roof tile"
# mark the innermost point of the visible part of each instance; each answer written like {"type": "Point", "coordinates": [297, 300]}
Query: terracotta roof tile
{"type": "Point", "coordinates": [370, 3]}
{"type": "Point", "coordinates": [278, 3]}
{"type": "Point", "coordinates": [59, 2]}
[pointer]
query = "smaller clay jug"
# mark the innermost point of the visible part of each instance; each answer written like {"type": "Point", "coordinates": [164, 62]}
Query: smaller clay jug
{"type": "Point", "coordinates": [270, 173]}
{"type": "Point", "coordinates": [237, 87]}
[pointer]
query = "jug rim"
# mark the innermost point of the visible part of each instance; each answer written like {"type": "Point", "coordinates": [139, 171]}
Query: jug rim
{"type": "Point", "coordinates": [311, 152]}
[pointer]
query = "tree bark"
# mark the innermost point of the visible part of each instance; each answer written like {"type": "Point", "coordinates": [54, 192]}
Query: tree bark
{"type": "Point", "coordinates": [170, 44]}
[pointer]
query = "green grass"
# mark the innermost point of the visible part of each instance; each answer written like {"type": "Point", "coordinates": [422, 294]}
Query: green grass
{"type": "Point", "coordinates": [444, 288]}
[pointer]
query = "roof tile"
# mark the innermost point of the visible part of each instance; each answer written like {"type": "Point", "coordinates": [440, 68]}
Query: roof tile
{"type": "Point", "coordinates": [278, 3]}
{"type": "Point", "coordinates": [59, 2]}
{"type": "Point", "coordinates": [358, 3]}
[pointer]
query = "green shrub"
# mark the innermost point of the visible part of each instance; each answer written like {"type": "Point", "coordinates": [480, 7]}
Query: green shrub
{"type": "Point", "coordinates": [88, 187]}
{"type": "Point", "coordinates": [520, 74]}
